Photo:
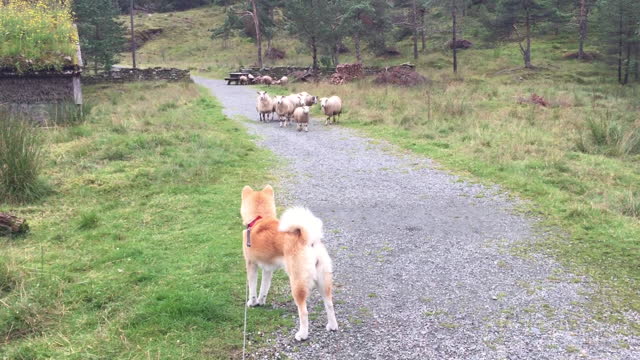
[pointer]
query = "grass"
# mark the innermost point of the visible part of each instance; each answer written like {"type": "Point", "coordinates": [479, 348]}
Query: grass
{"type": "Point", "coordinates": [137, 252]}
{"type": "Point", "coordinates": [36, 35]}
{"type": "Point", "coordinates": [20, 160]}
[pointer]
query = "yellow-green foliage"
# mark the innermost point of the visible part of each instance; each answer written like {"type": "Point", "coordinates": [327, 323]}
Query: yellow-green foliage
{"type": "Point", "coordinates": [36, 34]}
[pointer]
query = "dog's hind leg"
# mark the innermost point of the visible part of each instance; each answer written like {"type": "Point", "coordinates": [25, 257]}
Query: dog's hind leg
{"type": "Point", "coordinates": [325, 284]}
{"type": "Point", "coordinates": [252, 277]}
{"type": "Point", "coordinates": [300, 293]}
{"type": "Point", "coordinates": [264, 286]}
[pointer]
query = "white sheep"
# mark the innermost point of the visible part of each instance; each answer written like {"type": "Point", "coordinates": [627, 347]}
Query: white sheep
{"type": "Point", "coordinates": [244, 80]}
{"type": "Point", "coordinates": [251, 78]}
{"type": "Point", "coordinates": [308, 99]}
{"type": "Point", "coordinates": [331, 106]}
{"type": "Point", "coordinates": [284, 80]}
{"type": "Point", "coordinates": [264, 105]}
{"type": "Point", "coordinates": [284, 109]}
{"type": "Point", "coordinates": [267, 80]}
{"type": "Point", "coordinates": [301, 117]}
{"type": "Point", "coordinates": [296, 100]}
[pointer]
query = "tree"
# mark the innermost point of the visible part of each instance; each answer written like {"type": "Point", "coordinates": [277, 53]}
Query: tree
{"type": "Point", "coordinates": [315, 22]}
{"type": "Point", "coordinates": [617, 22]}
{"type": "Point", "coordinates": [454, 31]}
{"type": "Point", "coordinates": [101, 34]}
{"type": "Point", "coordinates": [353, 21]}
{"type": "Point", "coordinates": [519, 17]}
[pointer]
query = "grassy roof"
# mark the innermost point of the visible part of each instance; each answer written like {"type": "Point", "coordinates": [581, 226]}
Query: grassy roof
{"type": "Point", "coordinates": [37, 35]}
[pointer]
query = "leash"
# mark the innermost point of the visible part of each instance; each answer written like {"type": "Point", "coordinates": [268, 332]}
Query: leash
{"type": "Point", "coordinates": [244, 330]}
{"type": "Point", "coordinates": [246, 290]}
{"type": "Point", "coordinates": [249, 226]}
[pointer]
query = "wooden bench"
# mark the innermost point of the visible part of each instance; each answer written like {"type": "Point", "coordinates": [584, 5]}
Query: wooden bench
{"type": "Point", "coordinates": [235, 77]}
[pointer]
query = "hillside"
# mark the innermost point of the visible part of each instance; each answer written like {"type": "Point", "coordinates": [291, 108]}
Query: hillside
{"type": "Point", "coordinates": [185, 42]}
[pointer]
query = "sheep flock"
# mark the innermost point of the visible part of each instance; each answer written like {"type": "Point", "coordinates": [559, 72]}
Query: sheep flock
{"type": "Point", "coordinates": [295, 108]}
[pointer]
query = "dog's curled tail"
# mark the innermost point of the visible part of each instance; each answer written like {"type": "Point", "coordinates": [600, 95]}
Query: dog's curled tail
{"type": "Point", "coordinates": [302, 219]}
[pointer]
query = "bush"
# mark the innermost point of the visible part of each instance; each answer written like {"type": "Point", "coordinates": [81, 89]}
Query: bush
{"type": "Point", "coordinates": [20, 161]}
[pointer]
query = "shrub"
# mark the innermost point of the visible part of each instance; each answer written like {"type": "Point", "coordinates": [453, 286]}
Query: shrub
{"type": "Point", "coordinates": [20, 161]}
{"type": "Point", "coordinates": [36, 34]}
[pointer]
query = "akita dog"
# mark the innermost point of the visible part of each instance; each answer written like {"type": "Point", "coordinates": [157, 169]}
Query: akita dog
{"type": "Point", "coordinates": [292, 243]}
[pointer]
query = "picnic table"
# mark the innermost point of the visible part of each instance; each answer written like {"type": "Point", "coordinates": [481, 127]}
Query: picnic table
{"type": "Point", "coordinates": [235, 77]}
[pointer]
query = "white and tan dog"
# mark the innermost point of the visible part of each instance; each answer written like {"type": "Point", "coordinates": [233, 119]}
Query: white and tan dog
{"type": "Point", "coordinates": [293, 242]}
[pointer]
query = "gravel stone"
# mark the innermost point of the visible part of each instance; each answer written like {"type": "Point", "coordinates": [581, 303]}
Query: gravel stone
{"type": "Point", "coordinates": [423, 261]}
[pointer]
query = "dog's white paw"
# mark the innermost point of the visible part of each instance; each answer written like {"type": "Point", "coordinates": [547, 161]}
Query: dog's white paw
{"type": "Point", "coordinates": [252, 302]}
{"type": "Point", "coordinates": [302, 335]}
{"type": "Point", "coordinates": [332, 327]}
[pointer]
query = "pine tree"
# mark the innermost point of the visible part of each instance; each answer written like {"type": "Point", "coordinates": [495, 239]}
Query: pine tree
{"type": "Point", "coordinates": [314, 22]}
{"type": "Point", "coordinates": [617, 22]}
{"type": "Point", "coordinates": [101, 34]}
{"type": "Point", "coordinates": [519, 18]}
{"type": "Point", "coordinates": [354, 14]}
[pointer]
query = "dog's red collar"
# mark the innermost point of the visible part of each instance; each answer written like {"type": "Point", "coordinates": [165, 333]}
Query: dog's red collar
{"type": "Point", "coordinates": [249, 226]}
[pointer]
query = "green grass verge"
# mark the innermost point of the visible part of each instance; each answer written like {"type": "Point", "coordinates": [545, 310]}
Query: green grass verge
{"type": "Point", "coordinates": [137, 254]}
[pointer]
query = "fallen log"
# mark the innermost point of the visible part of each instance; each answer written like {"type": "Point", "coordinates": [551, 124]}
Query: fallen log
{"type": "Point", "coordinates": [12, 225]}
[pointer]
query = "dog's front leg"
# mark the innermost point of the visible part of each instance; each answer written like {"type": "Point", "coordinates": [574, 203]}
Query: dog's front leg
{"type": "Point", "coordinates": [252, 277]}
{"type": "Point", "coordinates": [264, 286]}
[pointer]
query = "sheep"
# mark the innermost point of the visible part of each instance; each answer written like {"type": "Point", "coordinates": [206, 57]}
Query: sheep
{"type": "Point", "coordinates": [258, 79]}
{"type": "Point", "coordinates": [284, 80]}
{"type": "Point", "coordinates": [267, 80]}
{"type": "Point", "coordinates": [308, 99]}
{"type": "Point", "coordinates": [284, 109]}
{"type": "Point", "coordinates": [251, 78]}
{"type": "Point", "coordinates": [244, 80]}
{"type": "Point", "coordinates": [296, 100]}
{"type": "Point", "coordinates": [301, 116]}
{"type": "Point", "coordinates": [264, 105]}
{"type": "Point", "coordinates": [331, 106]}
{"type": "Point", "coordinates": [275, 82]}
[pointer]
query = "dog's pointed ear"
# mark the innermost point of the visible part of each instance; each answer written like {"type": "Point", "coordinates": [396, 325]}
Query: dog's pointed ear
{"type": "Point", "coordinates": [268, 189]}
{"type": "Point", "coordinates": [246, 191]}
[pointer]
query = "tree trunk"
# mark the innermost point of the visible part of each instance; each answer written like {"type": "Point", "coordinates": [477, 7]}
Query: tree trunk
{"type": "Point", "coordinates": [414, 24]}
{"type": "Point", "coordinates": [314, 52]}
{"type": "Point", "coordinates": [133, 38]}
{"type": "Point", "coordinates": [422, 31]}
{"type": "Point", "coordinates": [620, 46]}
{"type": "Point", "coordinates": [356, 40]}
{"type": "Point", "coordinates": [453, 36]}
{"type": "Point", "coordinates": [527, 51]}
{"type": "Point", "coordinates": [628, 64]}
{"type": "Point", "coordinates": [256, 23]}
{"type": "Point", "coordinates": [11, 225]}
{"type": "Point", "coordinates": [582, 28]}
{"type": "Point", "coordinates": [636, 66]}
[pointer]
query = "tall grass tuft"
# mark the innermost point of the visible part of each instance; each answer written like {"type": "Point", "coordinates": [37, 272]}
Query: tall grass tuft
{"type": "Point", "coordinates": [605, 135]}
{"type": "Point", "coordinates": [20, 161]}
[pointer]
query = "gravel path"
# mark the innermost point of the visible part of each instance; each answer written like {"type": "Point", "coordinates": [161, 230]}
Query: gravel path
{"type": "Point", "coordinates": [424, 263]}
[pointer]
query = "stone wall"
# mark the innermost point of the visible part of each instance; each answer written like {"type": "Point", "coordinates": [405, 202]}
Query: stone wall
{"type": "Point", "coordinates": [30, 89]}
{"type": "Point", "coordinates": [280, 71]}
{"type": "Point", "coordinates": [119, 75]}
